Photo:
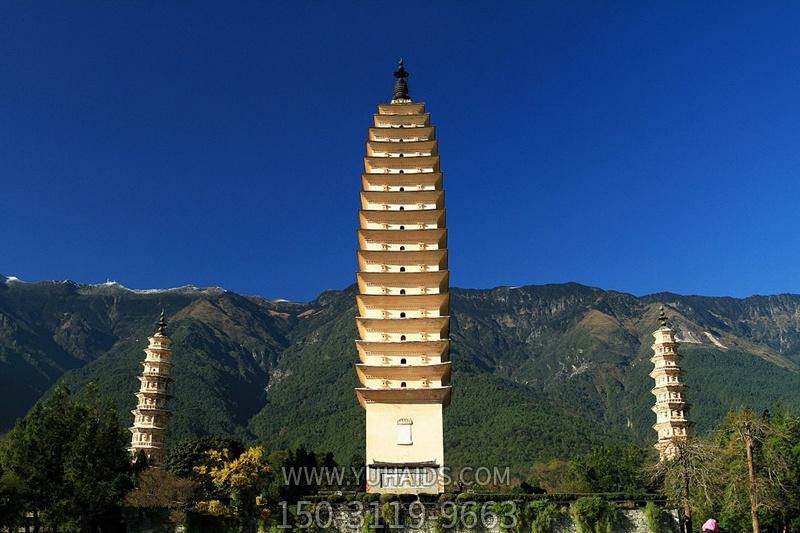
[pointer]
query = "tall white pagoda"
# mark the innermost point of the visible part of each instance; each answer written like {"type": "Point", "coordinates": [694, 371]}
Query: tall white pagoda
{"type": "Point", "coordinates": [403, 299]}
{"type": "Point", "coordinates": [151, 415]}
{"type": "Point", "coordinates": [671, 408]}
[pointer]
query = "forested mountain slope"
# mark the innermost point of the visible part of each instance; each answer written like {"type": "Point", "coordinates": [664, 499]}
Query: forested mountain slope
{"type": "Point", "coordinates": [539, 371]}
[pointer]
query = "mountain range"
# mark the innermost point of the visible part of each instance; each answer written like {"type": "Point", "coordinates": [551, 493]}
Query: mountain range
{"type": "Point", "coordinates": [540, 372]}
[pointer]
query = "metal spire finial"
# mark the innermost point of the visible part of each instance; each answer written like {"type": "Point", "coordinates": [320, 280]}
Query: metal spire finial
{"type": "Point", "coordinates": [401, 85]}
{"type": "Point", "coordinates": [662, 317]}
{"type": "Point", "coordinates": [162, 324]}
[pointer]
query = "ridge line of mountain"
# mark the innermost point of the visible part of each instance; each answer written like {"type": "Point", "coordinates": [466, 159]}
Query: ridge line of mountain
{"type": "Point", "coordinates": [189, 288]}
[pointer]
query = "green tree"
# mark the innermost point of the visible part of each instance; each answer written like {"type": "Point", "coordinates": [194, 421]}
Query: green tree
{"type": "Point", "coordinates": [688, 478]}
{"type": "Point", "coordinates": [188, 453]}
{"type": "Point", "coordinates": [243, 481]}
{"type": "Point", "coordinates": [593, 514]}
{"type": "Point", "coordinates": [10, 504]}
{"type": "Point", "coordinates": [782, 448]}
{"type": "Point", "coordinates": [69, 455]}
{"type": "Point", "coordinates": [159, 489]}
{"type": "Point", "coordinates": [613, 468]}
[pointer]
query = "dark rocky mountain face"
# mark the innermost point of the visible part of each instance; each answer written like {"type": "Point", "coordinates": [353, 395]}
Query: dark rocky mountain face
{"type": "Point", "coordinates": [540, 371]}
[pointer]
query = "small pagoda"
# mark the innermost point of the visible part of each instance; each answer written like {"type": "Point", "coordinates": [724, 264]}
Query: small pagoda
{"type": "Point", "coordinates": [671, 408]}
{"type": "Point", "coordinates": [403, 299]}
{"type": "Point", "coordinates": [151, 416]}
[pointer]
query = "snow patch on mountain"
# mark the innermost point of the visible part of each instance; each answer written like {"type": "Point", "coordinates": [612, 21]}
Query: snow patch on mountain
{"type": "Point", "coordinates": [715, 341]}
{"type": "Point", "coordinates": [688, 337]}
{"type": "Point", "coordinates": [115, 285]}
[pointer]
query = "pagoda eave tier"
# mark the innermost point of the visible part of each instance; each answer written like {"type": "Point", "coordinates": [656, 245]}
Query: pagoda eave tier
{"type": "Point", "coordinates": [405, 395]}
{"type": "Point", "coordinates": [440, 371]}
{"type": "Point", "coordinates": [140, 446]}
{"type": "Point", "coordinates": [418, 164]}
{"type": "Point", "coordinates": [382, 148]}
{"type": "Point", "coordinates": [662, 371]}
{"type": "Point", "coordinates": [402, 198]}
{"type": "Point", "coordinates": [427, 180]}
{"type": "Point", "coordinates": [401, 121]}
{"type": "Point", "coordinates": [406, 258]}
{"type": "Point", "coordinates": [668, 405]}
{"type": "Point", "coordinates": [406, 349]}
{"type": "Point", "coordinates": [402, 134]}
{"type": "Point", "coordinates": [412, 108]}
{"type": "Point", "coordinates": [674, 423]}
{"type": "Point", "coordinates": [439, 302]}
{"type": "Point", "coordinates": [147, 376]}
{"type": "Point", "coordinates": [671, 387]}
{"type": "Point", "coordinates": [147, 428]}
{"type": "Point", "coordinates": [439, 325]}
{"type": "Point", "coordinates": [383, 216]}
{"type": "Point", "coordinates": [661, 358]}
{"type": "Point", "coordinates": [144, 410]}
{"type": "Point", "coordinates": [431, 279]}
{"type": "Point", "coordinates": [431, 237]}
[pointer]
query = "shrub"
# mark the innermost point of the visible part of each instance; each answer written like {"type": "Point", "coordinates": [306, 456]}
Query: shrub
{"type": "Point", "coordinates": [369, 520]}
{"type": "Point", "coordinates": [593, 514]}
{"type": "Point", "coordinates": [390, 514]}
{"type": "Point", "coordinates": [465, 497]}
{"type": "Point", "coordinates": [446, 497]}
{"type": "Point", "coordinates": [388, 497]}
{"type": "Point", "coordinates": [508, 513]}
{"type": "Point", "coordinates": [654, 518]}
{"type": "Point", "coordinates": [545, 516]}
{"type": "Point", "coordinates": [369, 497]}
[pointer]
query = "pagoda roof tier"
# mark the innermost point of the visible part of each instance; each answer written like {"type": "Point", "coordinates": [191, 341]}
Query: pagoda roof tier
{"type": "Point", "coordinates": [440, 325]}
{"type": "Point", "coordinates": [404, 395]}
{"type": "Point", "coordinates": [436, 236]}
{"type": "Point", "coordinates": [424, 179]}
{"type": "Point", "coordinates": [419, 257]}
{"type": "Point", "coordinates": [150, 411]}
{"type": "Point", "coordinates": [440, 371]}
{"type": "Point", "coordinates": [669, 404]}
{"type": "Point", "coordinates": [402, 198]}
{"type": "Point", "coordinates": [669, 387]}
{"type": "Point", "coordinates": [373, 164]}
{"type": "Point", "coordinates": [435, 278]}
{"type": "Point", "coordinates": [439, 302]}
{"type": "Point", "coordinates": [402, 121]}
{"type": "Point", "coordinates": [666, 371]}
{"type": "Point", "coordinates": [669, 356]}
{"type": "Point", "coordinates": [427, 216]}
{"type": "Point", "coordinates": [142, 446]}
{"type": "Point", "coordinates": [152, 394]}
{"type": "Point", "coordinates": [155, 375]}
{"type": "Point", "coordinates": [375, 148]}
{"type": "Point", "coordinates": [406, 134]}
{"type": "Point", "coordinates": [680, 422]}
{"type": "Point", "coordinates": [157, 362]}
{"type": "Point", "coordinates": [137, 410]}
{"type": "Point", "coordinates": [406, 349]}
{"type": "Point", "coordinates": [148, 426]}
{"type": "Point", "coordinates": [414, 108]}
{"type": "Point", "coordinates": [668, 344]}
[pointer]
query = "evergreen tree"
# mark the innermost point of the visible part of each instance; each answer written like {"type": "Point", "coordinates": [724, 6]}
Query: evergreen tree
{"type": "Point", "coordinates": [70, 458]}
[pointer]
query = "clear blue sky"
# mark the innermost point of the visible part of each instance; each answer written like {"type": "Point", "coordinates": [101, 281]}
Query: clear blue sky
{"type": "Point", "coordinates": [621, 145]}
